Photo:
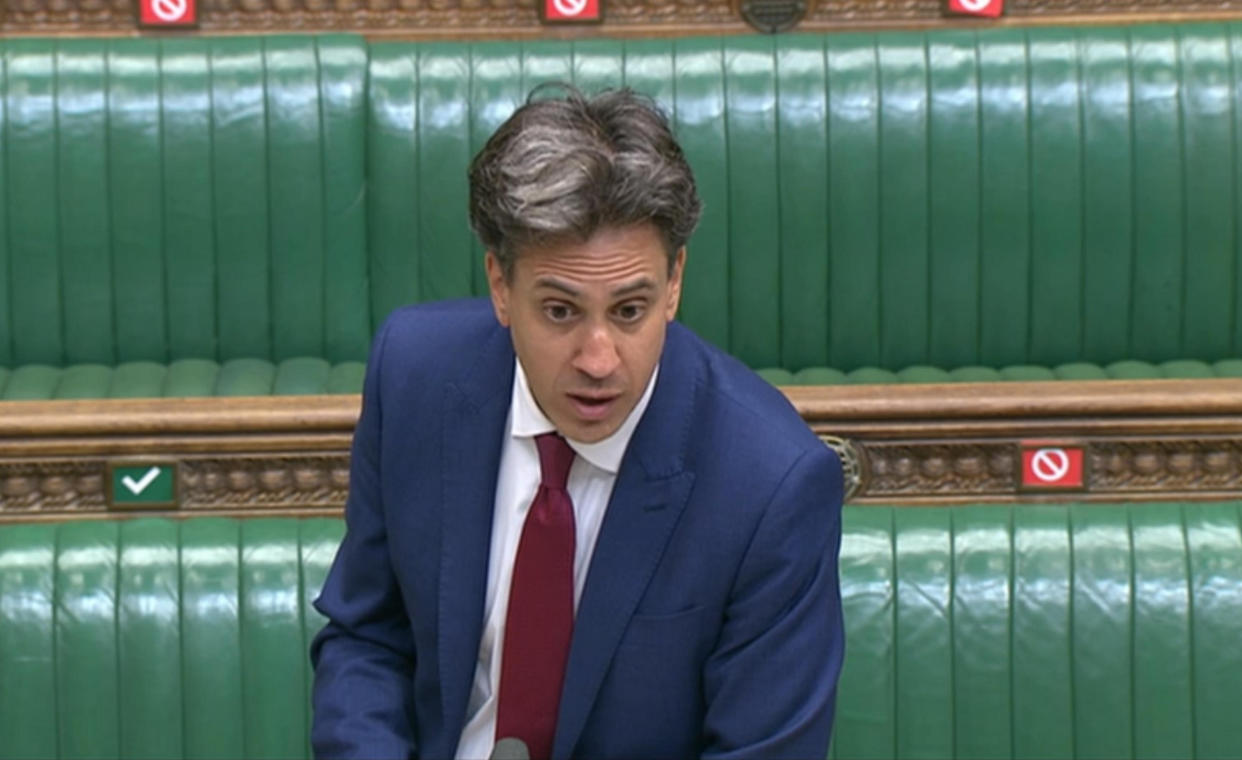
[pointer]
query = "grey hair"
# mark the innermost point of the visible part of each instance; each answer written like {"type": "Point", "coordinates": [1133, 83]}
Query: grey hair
{"type": "Point", "coordinates": [564, 168]}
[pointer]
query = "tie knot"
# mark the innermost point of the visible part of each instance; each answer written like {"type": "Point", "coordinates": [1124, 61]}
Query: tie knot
{"type": "Point", "coordinates": [555, 459]}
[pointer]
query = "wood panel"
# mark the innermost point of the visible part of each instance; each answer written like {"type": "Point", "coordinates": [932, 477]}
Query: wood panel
{"type": "Point", "coordinates": [481, 19]}
{"type": "Point", "coordinates": [1166, 439]}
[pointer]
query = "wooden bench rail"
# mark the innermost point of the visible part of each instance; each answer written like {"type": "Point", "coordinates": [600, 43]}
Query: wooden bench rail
{"type": "Point", "coordinates": [1096, 398]}
{"type": "Point", "coordinates": [850, 405]}
{"type": "Point", "coordinates": [175, 416]}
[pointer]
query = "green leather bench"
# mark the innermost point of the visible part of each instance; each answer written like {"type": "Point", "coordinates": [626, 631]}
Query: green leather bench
{"type": "Point", "coordinates": [182, 217]}
{"type": "Point", "coordinates": [234, 216]}
{"type": "Point", "coordinates": [984, 631]}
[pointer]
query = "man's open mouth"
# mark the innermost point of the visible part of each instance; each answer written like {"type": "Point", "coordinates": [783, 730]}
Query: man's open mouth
{"type": "Point", "coordinates": [593, 407]}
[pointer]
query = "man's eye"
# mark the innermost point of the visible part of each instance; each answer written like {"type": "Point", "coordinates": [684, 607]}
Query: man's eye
{"type": "Point", "coordinates": [557, 312]}
{"type": "Point", "coordinates": [631, 312]}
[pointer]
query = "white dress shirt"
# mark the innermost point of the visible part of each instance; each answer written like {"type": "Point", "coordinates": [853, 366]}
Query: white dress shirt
{"type": "Point", "coordinates": [591, 478]}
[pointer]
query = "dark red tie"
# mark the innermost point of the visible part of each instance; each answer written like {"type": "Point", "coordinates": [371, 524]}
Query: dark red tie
{"type": "Point", "coordinates": [540, 620]}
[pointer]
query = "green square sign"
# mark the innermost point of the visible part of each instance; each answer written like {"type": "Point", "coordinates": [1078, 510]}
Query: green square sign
{"type": "Point", "coordinates": [142, 484]}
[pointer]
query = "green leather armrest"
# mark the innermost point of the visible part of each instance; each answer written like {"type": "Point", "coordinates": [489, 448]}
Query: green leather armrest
{"type": "Point", "coordinates": [1121, 370]}
{"type": "Point", "coordinates": [186, 377]}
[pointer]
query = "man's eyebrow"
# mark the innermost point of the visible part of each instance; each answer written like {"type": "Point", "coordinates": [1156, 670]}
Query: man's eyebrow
{"type": "Point", "coordinates": [644, 283]}
{"type": "Point", "coordinates": [555, 284]}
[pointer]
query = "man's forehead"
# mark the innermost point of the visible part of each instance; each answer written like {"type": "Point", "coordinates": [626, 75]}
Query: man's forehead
{"type": "Point", "coordinates": [610, 254]}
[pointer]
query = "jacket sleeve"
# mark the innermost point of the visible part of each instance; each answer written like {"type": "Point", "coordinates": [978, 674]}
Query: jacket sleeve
{"type": "Point", "coordinates": [364, 658]}
{"type": "Point", "coordinates": [770, 682]}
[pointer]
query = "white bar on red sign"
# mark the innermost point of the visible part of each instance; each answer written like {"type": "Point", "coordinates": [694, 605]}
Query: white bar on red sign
{"type": "Point", "coordinates": [167, 12]}
{"type": "Point", "coordinates": [989, 8]}
{"type": "Point", "coordinates": [571, 10]}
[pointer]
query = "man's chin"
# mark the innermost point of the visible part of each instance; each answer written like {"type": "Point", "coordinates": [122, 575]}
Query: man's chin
{"type": "Point", "coordinates": [587, 430]}
{"type": "Point", "coordinates": [588, 433]}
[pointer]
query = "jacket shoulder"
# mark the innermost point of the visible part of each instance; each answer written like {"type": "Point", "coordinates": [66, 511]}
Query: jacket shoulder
{"type": "Point", "coordinates": [744, 415]}
{"type": "Point", "coordinates": [439, 324]}
{"type": "Point", "coordinates": [422, 348]}
{"type": "Point", "coordinates": [435, 337]}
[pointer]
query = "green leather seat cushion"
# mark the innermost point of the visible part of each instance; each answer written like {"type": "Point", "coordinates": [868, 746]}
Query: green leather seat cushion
{"type": "Point", "coordinates": [186, 377]}
{"type": "Point", "coordinates": [998, 631]}
{"type": "Point", "coordinates": [1120, 370]}
{"type": "Point", "coordinates": [306, 375]}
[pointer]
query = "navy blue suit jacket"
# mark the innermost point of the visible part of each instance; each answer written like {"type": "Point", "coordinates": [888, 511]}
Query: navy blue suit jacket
{"type": "Point", "coordinates": [710, 623]}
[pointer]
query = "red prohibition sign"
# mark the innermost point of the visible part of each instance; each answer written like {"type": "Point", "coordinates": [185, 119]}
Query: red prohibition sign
{"type": "Point", "coordinates": [571, 10]}
{"type": "Point", "coordinates": [991, 8]}
{"type": "Point", "coordinates": [167, 12]}
{"type": "Point", "coordinates": [1046, 466]}
{"type": "Point", "coordinates": [1050, 465]}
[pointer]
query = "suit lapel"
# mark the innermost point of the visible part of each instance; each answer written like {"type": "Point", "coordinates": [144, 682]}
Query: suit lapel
{"type": "Point", "coordinates": [475, 410]}
{"type": "Point", "coordinates": [650, 494]}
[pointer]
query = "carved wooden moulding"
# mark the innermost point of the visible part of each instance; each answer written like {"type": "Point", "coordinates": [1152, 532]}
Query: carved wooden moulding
{"type": "Point", "coordinates": [252, 484]}
{"type": "Point", "coordinates": [519, 18]}
{"type": "Point", "coordinates": [981, 471]}
{"type": "Point", "coordinates": [265, 481]}
{"type": "Point", "coordinates": [931, 11]}
{"type": "Point", "coordinates": [1005, 442]}
{"type": "Point", "coordinates": [977, 442]}
{"type": "Point", "coordinates": [51, 485]}
{"type": "Point", "coordinates": [249, 456]}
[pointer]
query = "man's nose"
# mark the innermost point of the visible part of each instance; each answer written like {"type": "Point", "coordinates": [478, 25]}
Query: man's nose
{"type": "Point", "coordinates": [598, 356]}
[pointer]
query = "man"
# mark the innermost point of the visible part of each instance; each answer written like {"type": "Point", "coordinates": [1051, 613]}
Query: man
{"type": "Point", "coordinates": [571, 522]}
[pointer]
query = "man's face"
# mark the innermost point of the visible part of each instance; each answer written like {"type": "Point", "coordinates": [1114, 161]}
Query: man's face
{"type": "Point", "coordinates": [588, 322]}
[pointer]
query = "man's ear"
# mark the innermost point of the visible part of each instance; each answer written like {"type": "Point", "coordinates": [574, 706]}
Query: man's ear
{"type": "Point", "coordinates": [674, 284]}
{"type": "Point", "coordinates": [499, 287]}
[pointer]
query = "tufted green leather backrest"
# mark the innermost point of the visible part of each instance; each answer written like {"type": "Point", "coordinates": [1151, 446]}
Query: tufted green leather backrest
{"type": "Point", "coordinates": [950, 198]}
{"type": "Point", "coordinates": [991, 198]}
{"type": "Point", "coordinates": [986, 631]}
{"type": "Point", "coordinates": [159, 639]}
{"type": "Point", "coordinates": [1068, 631]}
{"type": "Point", "coordinates": [168, 199]}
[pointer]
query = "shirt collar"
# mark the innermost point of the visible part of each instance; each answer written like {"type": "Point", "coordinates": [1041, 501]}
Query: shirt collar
{"type": "Point", "coordinates": [528, 421]}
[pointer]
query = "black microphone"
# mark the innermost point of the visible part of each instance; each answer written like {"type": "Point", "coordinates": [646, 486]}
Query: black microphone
{"type": "Point", "coordinates": [510, 748]}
